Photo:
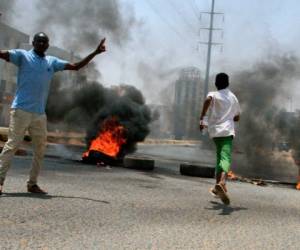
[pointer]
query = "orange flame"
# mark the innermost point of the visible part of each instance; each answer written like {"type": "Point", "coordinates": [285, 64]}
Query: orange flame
{"type": "Point", "coordinates": [298, 184]}
{"type": "Point", "coordinates": [232, 176]}
{"type": "Point", "coordinates": [110, 138]}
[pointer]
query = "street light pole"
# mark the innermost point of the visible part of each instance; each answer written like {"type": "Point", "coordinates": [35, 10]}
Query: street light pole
{"type": "Point", "coordinates": [211, 28]}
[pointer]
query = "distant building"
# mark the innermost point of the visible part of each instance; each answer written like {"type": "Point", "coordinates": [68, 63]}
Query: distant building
{"type": "Point", "coordinates": [180, 112]}
{"type": "Point", "coordinates": [187, 103]}
{"type": "Point", "coordinates": [10, 38]}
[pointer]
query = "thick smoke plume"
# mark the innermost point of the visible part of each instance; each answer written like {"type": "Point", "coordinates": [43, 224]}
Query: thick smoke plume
{"type": "Point", "coordinates": [81, 24]}
{"type": "Point", "coordinates": [263, 124]}
{"type": "Point", "coordinates": [88, 107]}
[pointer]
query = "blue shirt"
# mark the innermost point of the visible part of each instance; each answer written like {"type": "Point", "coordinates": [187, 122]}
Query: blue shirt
{"type": "Point", "coordinates": [34, 77]}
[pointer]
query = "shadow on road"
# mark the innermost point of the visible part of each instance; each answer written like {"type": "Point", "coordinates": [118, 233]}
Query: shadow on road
{"type": "Point", "coordinates": [47, 197]}
{"type": "Point", "coordinates": [224, 209]}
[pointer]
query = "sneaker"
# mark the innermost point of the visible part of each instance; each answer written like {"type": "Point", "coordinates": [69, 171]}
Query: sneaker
{"type": "Point", "coordinates": [224, 187]}
{"type": "Point", "coordinates": [222, 194]}
{"type": "Point", "coordinates": [35, 189]}
{"type": "Point", "coordinates": [213, 192]}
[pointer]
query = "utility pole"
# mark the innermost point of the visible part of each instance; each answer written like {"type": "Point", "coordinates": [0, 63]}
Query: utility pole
{"type": "Point", "coordinates": [209, 44]}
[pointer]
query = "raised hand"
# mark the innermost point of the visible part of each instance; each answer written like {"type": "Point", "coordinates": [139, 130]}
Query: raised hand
{"type": "Point", "coordinates": [101, 47]}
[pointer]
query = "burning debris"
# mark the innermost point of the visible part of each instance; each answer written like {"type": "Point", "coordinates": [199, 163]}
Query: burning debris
{"type": "Point", "coordinates": [234, 177]}
{"type": "Point", "coordinates": [114, 119]}
{"type": "Point", "coordinates": [298, 182]}
{"type": "Point", "coordinates": [298, 185]}
{"type": "Point", "coordinates": [109, 141]}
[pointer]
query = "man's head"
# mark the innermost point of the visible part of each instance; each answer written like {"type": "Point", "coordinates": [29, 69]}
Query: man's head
{"type": "Point", "coordinates": [40, 42]}
{"type": "Point", "coordinates": [222, 81]}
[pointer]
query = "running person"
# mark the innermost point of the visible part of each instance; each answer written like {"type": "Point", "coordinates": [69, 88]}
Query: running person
{"type": "Point", "coordinates": [224, 111]}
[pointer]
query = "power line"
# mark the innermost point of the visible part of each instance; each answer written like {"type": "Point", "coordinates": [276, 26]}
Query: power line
{"type": "Point", "coordinates": [210, 43]}
{"type": "Point", "coordinates": [188, 24]}
{"type": "Point", "coordinates": [155, 10]}
{"type": "Point", "coordinates": [195, 9]}
{"type": "Point", "coordinates": [196, 6]}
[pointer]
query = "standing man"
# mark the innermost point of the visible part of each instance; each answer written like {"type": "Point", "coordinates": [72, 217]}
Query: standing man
{"type": "Point", "coordinates": [224, 111]}
{"type": "Point", "coordinates": [35, 71]}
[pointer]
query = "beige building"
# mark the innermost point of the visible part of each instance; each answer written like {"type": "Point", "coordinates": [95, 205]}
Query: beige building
{"type": "Point", "coordinates": [178, 117]}
{"type": "Point", "coordinates": [187, 103]}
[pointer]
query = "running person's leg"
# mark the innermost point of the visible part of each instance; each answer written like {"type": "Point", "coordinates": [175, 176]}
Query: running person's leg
{"type": "Point", "coordinates": [218, 170]}
{"type": "Point", "coordinates": [224, 149]}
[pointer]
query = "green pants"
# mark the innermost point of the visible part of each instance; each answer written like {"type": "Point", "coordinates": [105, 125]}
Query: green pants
{"type": "Point", "coordinates": [224, 149]}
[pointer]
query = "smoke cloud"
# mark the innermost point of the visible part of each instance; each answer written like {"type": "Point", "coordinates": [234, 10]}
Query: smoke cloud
{"type": "Point", "coordinates": [157, 76]}
{"type": "Point", "coordinates": [81, 24]}
{"type": "Point", "coordinates": [6, 10]}
{"type": "Point", "coordinates": [263, 125]}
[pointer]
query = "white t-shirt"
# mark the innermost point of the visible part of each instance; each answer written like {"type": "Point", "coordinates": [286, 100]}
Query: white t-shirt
{"type": "Point", "coordinates": [223, 108]}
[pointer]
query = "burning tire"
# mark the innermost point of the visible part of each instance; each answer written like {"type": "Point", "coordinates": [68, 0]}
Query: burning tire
{"type": "Point", "coordinates": [197, 170]}
{"type": "Point", "coordinates": [95, 158]}
{"type": "Point", "coordinates": [138, 163]}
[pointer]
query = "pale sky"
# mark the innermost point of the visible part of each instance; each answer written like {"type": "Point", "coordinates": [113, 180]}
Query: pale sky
{"type": "Point", "coordinates": [168, 37]}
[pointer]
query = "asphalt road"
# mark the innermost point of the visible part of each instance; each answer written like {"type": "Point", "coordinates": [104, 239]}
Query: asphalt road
{"type": "Point", "coordinates": [286, 171]}
{"type": "Point", "coordinates": [98, 208]}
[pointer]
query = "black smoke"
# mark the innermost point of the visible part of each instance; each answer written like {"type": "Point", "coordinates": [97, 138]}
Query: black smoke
{"type": "Point", "coordinates": [262, 89]}
{"type": "Point", "coordinates": [86, 109]}
{"type": "Point", "coordinates": [80, 24]}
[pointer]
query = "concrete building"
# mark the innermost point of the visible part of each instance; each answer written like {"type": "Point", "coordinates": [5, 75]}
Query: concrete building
{"type": "Point", "coordinates": [10, 38]}
{"type": "Point", "coordinates": [182, 101]}
{"type": "Point", "coordinates": [187, 103]}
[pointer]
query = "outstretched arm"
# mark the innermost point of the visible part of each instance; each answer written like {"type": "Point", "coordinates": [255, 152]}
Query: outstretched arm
{"type": "Point", "coordinates": [76, 66]}
{"type": "Point", "coordinates": [4, 55]}
{"type": "Point", "coordinates": [204, 110]}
